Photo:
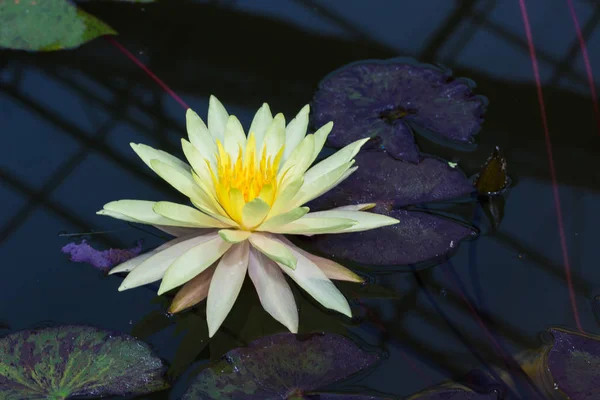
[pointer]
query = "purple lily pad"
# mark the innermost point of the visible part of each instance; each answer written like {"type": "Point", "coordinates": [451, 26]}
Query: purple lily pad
{"type": "Point", "coordinates": [420, 236]}
{"type": "Point", "coordinates": [61, 362]}
{"type": "Point", "coordinates": [281, 366]}
{"type": "Point", "coordinates": [574, 363]}
{"type": "Point", "coordinates": [386, 99]}
{"type": "Point", "coordinates": [454, 392]}
{"type": "Point", "coordinates": [101, 259]}
{"type": "Point", "coordinates": [347, 396]}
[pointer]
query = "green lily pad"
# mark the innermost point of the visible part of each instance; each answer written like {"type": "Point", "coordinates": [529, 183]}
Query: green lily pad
{"type": "Point", "coordinates": [282, 366]}
{"type": "Point", "coordinates": [47, 25]}
{"type": "Point", "coordinates": [66, 361]}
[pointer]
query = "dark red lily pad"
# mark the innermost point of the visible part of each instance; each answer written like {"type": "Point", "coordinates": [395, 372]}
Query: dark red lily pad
{"type": "Point", "coordinates": [344, 396]}
{"type": "Point", "coordinates": [574, 364]}
{"type": "Point", "coordinates": [281, 366]}
{"type": "Point", "coordinates": [68, 361]}
{"type": "Point", "coordinates": [454, 392]}
{"type": "Point", "coordinates": [384, 99]}
{"type": "Point", "coordinates": [420, 236]}
{"type": "Point", "coordinates": [101, 259]}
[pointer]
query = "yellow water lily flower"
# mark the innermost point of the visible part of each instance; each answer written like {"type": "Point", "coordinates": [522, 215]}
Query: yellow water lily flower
{"type": "Point", "coordinates": [247, 192]}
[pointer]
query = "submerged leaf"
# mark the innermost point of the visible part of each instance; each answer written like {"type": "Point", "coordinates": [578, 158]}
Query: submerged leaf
{"type": "Point", "coordinates": [101, 259]}
{"type": "Point", "coordinates": [385, 99]}
{"type": "Point", "coordinates": [46, 25]}
{"type": "Point", "coordinates": [492, 178]}
{"type": "Point", "coordinates": [420, 236]}
{"type": "Point", "coordinates": [67, 361]}
{"type": "Point", "coordinates": [281, 366]}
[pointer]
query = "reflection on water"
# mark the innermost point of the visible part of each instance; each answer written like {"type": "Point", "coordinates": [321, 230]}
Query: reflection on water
{"type": "Point", "coordinates": [68, 118]}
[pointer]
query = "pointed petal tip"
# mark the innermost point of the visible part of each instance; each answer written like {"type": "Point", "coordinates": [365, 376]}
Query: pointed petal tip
{"type": "Point", "coordinates": [162, 290]}
{"type": "Point", "coordinates": [174, 310]}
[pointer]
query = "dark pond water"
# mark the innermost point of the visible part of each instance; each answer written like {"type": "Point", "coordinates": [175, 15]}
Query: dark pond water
{"type": "Point", "coordinates": [67, 117]}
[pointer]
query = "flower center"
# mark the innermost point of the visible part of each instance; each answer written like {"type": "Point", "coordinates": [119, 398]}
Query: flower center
{"type": "Point", "coordinates": [249, 176]}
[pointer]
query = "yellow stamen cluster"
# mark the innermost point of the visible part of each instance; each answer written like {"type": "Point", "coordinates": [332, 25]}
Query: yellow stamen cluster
{"type": "Point", "coordinates": [248, 177]}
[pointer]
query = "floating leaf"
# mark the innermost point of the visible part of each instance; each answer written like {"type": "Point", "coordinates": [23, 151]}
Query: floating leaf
{"type": "Point", "coordinates": [491, 183]}
{"type": "Point", "coordinates": [345, 396]}
{"type": "Point", "coordinates": [569, 365]}
{"type": "Point", "coordinates": [492, 178]}
{"type": "Point", "coordinates": [420, 236]}
{"type": "Point", "coordinates": [452, 391]}
{"type": "Point", "coordinates": [281, 366]}
{"type": "Point", "coordinates": [385, 99]}
{"type": "Point", "coordinates": [101, 259]}
{"type": "Point", "coordinates": [46, 25]}
{"type": "Point", "coordinates": [66, 361]}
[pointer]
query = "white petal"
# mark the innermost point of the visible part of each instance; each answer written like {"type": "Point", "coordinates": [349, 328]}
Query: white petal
{"type": "Point", "coordinates": [185, 184]}
{"type": "Point", "coordinates": [225, 285]}
{"type": "Point", "coordinates": [193, 292]}
{"type": "Point", "coordinates": [193, 262]}
{"type": "Point", "coordinates": [283, 201]}
{"type": "Point", "coordinates": [178, 231]}
{"type": "Point", "coordinates": [129, 265]}
{"type": "Point", "coordinates": [356, 207]}
{"type": "Point", "coordinates": [217, 118]}
{"type": "Point", "coordinates": [275, 136]}
{"type": "Point", "coordinates": [143, 211]}
{"type": "Point", "coordinates": [283, 219]}
{"type": "Point", "coordinates": [186, 216]}
{"type": "Point", "coordinates": [200, 136]}
{"type": "Point", "coordinates": [316, 187]}
{"type": "Point", "coordinates": [200, 166]}
{"type": "Point", "coordinates": [234, 137]}
{"type": "Point", "coordinates": [147, 154]}
{"type": "Point", "coordinates": [180, 180]}
{"type": "Point", "coordinates": [234, 235]}
{"type": "Point", "coordinates": [314, 281]}
{"type": "Point", "coordinates": [335, 160]}
{"type": "Point", "coordinates": [364, 220]}
{"type": "Point", "coordinates": [298, 162]}
{"type": "Point", "coordinates": [153, 268]}
{"type": "Point", "coordinates": [331, 269]}
{"type": "Point", "coordinates": [261, 121]}
{"type": "Point", "coordinates": [221, 216]}
{"type": "Point", "coordinates": [275, 250]}
{"type": "Point", "coordinates": [117, 215]}
{"type": "Point", "coordinates": [273, 291]}
{"type": "Point", "coordinates": [295, 132]}
{"type": "Point", "coordinates": [314, 226]}
{"type": "Point", "coordinates": [320, 139]}
{"type": "Point", "coordinates": [254, 212]}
